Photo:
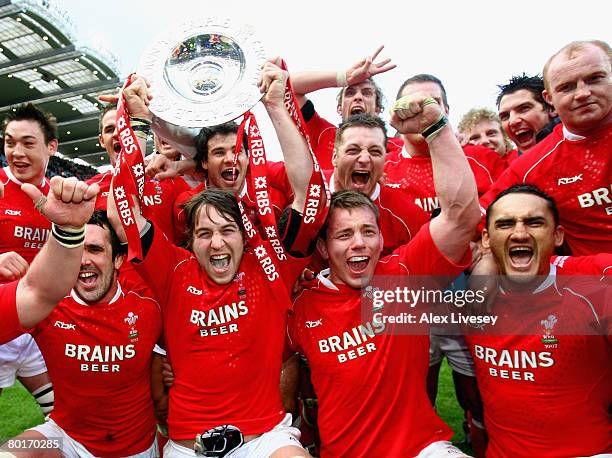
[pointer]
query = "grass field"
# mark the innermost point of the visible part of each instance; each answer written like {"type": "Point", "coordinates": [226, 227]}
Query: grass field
{"type": "Point", "coordinates": [19, 411]}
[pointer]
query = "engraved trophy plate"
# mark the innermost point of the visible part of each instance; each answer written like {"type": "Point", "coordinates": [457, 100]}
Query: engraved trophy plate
{"type": "Point", "coordinates": [202, 73]}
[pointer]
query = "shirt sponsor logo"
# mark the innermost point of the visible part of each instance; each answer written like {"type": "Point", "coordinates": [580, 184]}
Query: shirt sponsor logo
{"type": "Point", "coordinates": [513, 364]}
{"type": "Point", "coordinates": [31, 233]}
{"type": "Point", "coordinates": [152, 200]}
{"type": "Point", "coordinates": [96, 358]}
{"type": "Point", "coordinates": [569, 180]}
{"type": "Point", "coordinates": [353, 343]}
{"type": "Point", "coordinates": [599, 196]}
{"type": "Point", "coordinates": [217, 321]}
{"type": "Point", "coordinates": [428, 204]}
{"type": "Point", "coordinates": [62, 325]}
{"type": "Point", "coordinates": [10, 212]}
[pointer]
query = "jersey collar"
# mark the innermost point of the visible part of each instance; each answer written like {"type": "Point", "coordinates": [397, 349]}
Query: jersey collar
{"type": "Point", "coordinates": [116, 297]}
{"type": "Point", "coordinates": [14, 179]}
{"type": "Point", "coordinates": [549, 281]}
{"type": "Point", "coordinates": [325, 281]}
{"type": "Point", "coordinates": [570, 136]}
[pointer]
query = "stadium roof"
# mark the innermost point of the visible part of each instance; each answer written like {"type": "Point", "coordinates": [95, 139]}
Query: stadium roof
{"type": "Point", "coordinates": [41, 62]}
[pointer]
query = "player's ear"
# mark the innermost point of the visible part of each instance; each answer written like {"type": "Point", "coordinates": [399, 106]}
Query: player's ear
{"type": "Point", "coordinates": [322, 248]}
{"type": "Point", "coordinates": [559, 235]}
{"type": "Point", "coordinates": [118, 261]}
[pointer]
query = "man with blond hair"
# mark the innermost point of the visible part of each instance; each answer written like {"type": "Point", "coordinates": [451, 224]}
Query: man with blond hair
{"type": "Point", "coordinates": [481, 126]}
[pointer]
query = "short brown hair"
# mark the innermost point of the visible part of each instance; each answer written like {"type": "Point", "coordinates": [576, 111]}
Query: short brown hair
{"type": "Point", "coordinates": [347, 200]}
{"type": "Point", "coordinates": [224, 201]}
{"type": "Point", "coordinates": [360, 120]}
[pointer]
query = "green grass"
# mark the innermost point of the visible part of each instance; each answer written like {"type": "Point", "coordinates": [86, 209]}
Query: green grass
{"type": "Point", "coordinates": [447, 406]}
{"type": "Point", "coordinates": [19, 411]}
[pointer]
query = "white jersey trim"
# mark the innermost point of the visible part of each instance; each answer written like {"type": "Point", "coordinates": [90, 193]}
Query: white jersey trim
{"type": "Point", "coordinates": [14, 179]}
{"type": "Point", "coordinates": [115, 298]}
{"type": "Point", "coordinates": [541, 159]}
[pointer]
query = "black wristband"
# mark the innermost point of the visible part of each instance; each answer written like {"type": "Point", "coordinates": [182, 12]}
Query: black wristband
{"type": "Point", "coordinates": [134, 119]}
{"type": "Point", "coordinates": [435, 127]}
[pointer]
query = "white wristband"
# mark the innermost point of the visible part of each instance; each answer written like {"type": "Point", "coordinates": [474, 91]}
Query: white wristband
{"type": "Point", "coordinates": [341, 80]}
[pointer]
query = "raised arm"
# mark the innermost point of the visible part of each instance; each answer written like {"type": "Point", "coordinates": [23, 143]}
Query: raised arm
{"type": "Point", "coordinates": [310, 81]}
{"type": "Point", "coordinates": [454, 181]}
{"type": "Point", "coordinates": [54, 271]}
{"type": "Point", "coordinates": [137, 98]}
{"type": "Point", "coordinates": [298, 162]}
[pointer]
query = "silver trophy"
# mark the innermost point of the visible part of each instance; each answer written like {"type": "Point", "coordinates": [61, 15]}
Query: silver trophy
{"type": "Point", "coordinates": [202, 73]}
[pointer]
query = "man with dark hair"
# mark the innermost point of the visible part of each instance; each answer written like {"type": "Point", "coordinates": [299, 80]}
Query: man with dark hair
{"type": "Point", "coordinates": [358, 94]}
{"type": "Point", "coordinates": [215, 157]}
{"type": "Point", "coordinates": [413, 172]}
{"type": "Point", "coordinates": [573, 163]}
{"type": "Point", "coordinates": [30, 139]}
{"type": "Point", "coordinates": [98, 342]}
{"type": "Point", "coordinates": [225, 305]}
{"type": "Point", "coordinates": [159, 196]}
{"type": "Point", "coordinates": [354, 364]}
{"type": "Point", "coordinates": [550, 346]}
{"type": "Point", "coordinates": [524, 113]}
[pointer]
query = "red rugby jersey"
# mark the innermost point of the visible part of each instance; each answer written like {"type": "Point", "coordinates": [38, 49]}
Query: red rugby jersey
{"type": "Point", "coordinates": [23, 229]}
{"type": "Point", "coordinates": [159, 198]}
{"type": "Point", "coordinates": [11, 327]}
{"type": "Point", "coordinates": [414, 175]}
{"type": "Point", "coordinates": [225, 342]}
{"type": "Point", "coordinates": [370, 384]}
{"type": "Point", "coordinates": [399, 219]}
{"type": "Point", "coordinates": [99, 358]}
{"type": "Point", "coordinates": [577, 173]}
{"type": "Point", "coordinates": [281, 196]}
{"type": "Point", "coordinates": [546, 388]}
{"type": "Point", "coordinates": [598, 264]}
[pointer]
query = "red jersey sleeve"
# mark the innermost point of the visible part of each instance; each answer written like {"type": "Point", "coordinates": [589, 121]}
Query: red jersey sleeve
{"type": "Point", "coordinates": [322, 134]}
{"type": "Point", "coordinates": [11, 327]}
{"type": "Point", "coordinates": [421, 256]}
{"type": "Point", "coordinates": [598, 264]}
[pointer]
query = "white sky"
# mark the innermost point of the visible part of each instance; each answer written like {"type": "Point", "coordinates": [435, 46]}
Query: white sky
{"type": "Point", "coordinates": [470, 45]}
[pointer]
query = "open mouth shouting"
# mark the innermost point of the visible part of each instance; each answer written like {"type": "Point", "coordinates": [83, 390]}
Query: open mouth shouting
{"type": "Point", "coordinates": [524, 136]}
{"type": "Point", "coordinates": [230, 175]}
{"type": "Point", "coordinates": [88, 278]}
{"type": "Point", "coordinates": [358, 264]}
{"type": "Point", "coordinates": [220, 263]}
{"type": "Point", "coordinates": [360, 180]}
{"type": "Point", "coordinates": [357, 109]}
{"type": "Point", "coordinates": [521, 257]}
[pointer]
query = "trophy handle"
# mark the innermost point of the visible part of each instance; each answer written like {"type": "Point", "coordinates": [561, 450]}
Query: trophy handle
{"type": "Point", "coordinates": [181, 138]}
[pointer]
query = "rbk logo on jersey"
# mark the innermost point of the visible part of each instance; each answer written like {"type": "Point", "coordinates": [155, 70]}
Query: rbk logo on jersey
{"type": "Point", "coordinates": [62, 325]}
{"type": "Point", "coordinates": [314, 324]}
{"type": "Point", "coordinates": [10, 212]}
{"type": "Point", "coordinates": [569, 180]}
{"type": "Point", "coordinates": [194, 290]}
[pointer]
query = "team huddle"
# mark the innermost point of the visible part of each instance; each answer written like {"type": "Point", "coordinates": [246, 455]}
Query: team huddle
{"type": "Point", "coordinates": [217, 307]}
